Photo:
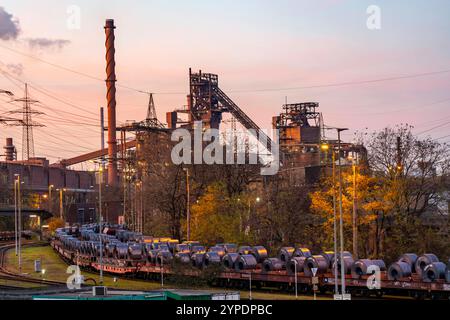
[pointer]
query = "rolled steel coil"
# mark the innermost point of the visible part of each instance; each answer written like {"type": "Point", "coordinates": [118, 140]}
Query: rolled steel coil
{"type": "Point", "coordinates": [329, 256]}
{"type": "Point", "coordinates": [110, 247]}
{"type": "Point", "coordinates": [245, 262]}
{"type": "Point", "coordinates": [286, 253]}
{"type": "Point", "coordinates": [212, 257]}
{"type": "Point", "coordinates": [447, 272]}
{"type": "Point", "coordinates": [399, 270]}
{"type": "Point", "coordinates": [197, 259]}
{"type": "Point", "coordinates": [260, 253]}
{"type": "Point", "coordinates": [182, 248]}
{"type": "Point", "coordinates": [219, 250]}
{"type": "Point", "coordinates": [152, 255]}
{"type": "Point", "coordinates": [229, 259]}
{"type": "Point", "coordinates": [348, 262]}
{"type": "Point", "coordinates": [361, 267]}
{"type": "Point", "coordinates": [409, 258]}
{"type": "Point", "coordinates": [302, 252]}
{"type": "Point", "coordinates": [197, 249]}
{"type": "Point", "coordinates": [316, 261]}
{"type": "Point", "coordinates": [183, 257]}
{"type": "Point", "coordinates": [121, 251]}
{"type": "Point", "coordinates": [245, 250]}
{"type": "Point", "coordinates": [291, 265]}
{"type": "Point", "coordinates": [135, 251]}
{"type": "Point", "coordinates": [344, 254]}
{"type": "Point", "coordinates": [434, 272]}
{"type": "Point", "coordinates": [230, 247]}
{"type": "Point", "coordinates": [164, 257]}
{"type": "Point", "coordinates": [273, 264]}
{"type": "Point", "coordinates": [423, 261]}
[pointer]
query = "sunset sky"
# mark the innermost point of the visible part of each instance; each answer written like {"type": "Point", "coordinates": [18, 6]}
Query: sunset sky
{"type": "Point", "coordinates": [258, 48]}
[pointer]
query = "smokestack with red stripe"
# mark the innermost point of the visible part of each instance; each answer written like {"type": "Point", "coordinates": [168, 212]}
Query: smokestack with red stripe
{"type": "Point", "coordinates": [111, 98]}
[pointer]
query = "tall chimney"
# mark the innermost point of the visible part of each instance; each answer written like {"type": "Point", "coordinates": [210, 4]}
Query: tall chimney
{"type": "Point", "coordinates": [10, 150]}
{"type": "Point", "coordinates": [111, 97]}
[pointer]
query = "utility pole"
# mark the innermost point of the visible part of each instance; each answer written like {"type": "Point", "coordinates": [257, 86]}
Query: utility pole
{"type": "Point", "coordinates": [355, 213]}
{"type": "Point", "coordinates": [341, 220]}
{"type": "Point", "coordinates": [188, 213]}
{"type": "Point", "coordinates": [100, 180]}
{"type": "Point", "coordinates": [19, 201]}
{"type": "Point", "coordinates": [336, 285]}
{"type": "Point", "coordinates": [16, 227]}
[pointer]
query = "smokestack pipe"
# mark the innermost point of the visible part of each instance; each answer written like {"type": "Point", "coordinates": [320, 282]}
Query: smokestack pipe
{"type": "Point", "coordinates": [111, 98]}
{"type": "Point", "coordinates": [9, 150]}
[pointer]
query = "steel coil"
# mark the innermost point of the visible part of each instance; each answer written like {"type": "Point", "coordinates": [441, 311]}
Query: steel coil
{"type": "Point", "coordinates": [344, 254]}
{"type": "Point", "coordinates": [164, 257]}
{"type": "Point", "coordinates": [399, 270]}
{"type": "Point", "coordinates": [183, 257]}
{"type": "Point", "coordinates": [152, 255]}
{"type": "Point", "coordinates": [447, 272]}
{"type": "Point", "coordinates": [273, 264]}
{"type": "Point", "coordinates": [212, 257]}
{"type": "Point", "coordinates": [409, 258]}
{"type": "Point", "coordinates": [229, 259]}
{"type": "Point", "coordinates": [219, 250]}
{"type": "Point", "coordinates": [121, 251]}
{"type": "Point", "coordinates": [348, 262]}
{"type": "Point", "coordinates": [329, 256]}
{"type": "Point", "coordinates": [245, 250]}
{"type": "Point", "coordinates": [361, 267]}
{"type": "Point", "coordinates": [302, 252]}
{"type": "Point", "coordinates": [423, 261]}
{"type": "Point", "coordinates": [245, 262]}
{"type": "Point", "coordinates": [434, 271]}
{"type": "Point", "coordinates": [260, 253]}
{"type": "Point", "coordinates": [295, 263]}
{"type": "Point", "coordinates": [182, 248]}
{"type": "Point", "coordinates": [286, 253]}
{"type": "Point", "coordinates": [135, 251]}
{"type": "Point", "coordinates": [316, 261]}
{"type": "Point", "coordinates": [197, 259]}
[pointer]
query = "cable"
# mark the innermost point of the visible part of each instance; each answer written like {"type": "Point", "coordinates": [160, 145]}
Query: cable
{"type": "Point", "coordinates": [71, 70]}
{"type": "Point", "coordinates": [436, 127]}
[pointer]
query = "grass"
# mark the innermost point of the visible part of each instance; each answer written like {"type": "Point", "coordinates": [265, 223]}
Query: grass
{"type": "Point", "coordinates": [55, 269]}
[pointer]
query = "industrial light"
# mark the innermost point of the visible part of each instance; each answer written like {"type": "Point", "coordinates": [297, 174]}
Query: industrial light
{"type": "Point", "coordinates": [33, 216]}
{"type": "Point", "coordinates": [324, 147]}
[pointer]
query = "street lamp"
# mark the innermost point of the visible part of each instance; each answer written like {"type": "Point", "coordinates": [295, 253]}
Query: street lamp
{"type": "Point", "coordinates": [50, 187]}
{"type": "Point", "coordinates": [188, 209]}
{"type": "Point", "coordinates": [341, 220]}
{"type": "Point", "coordinates": [18, 210]}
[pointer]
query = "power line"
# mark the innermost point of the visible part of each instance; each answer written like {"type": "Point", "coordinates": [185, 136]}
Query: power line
{"type": "Point", "coordinates": [71, 70]}
{"type": "Point", "coordinates": [436, 127]}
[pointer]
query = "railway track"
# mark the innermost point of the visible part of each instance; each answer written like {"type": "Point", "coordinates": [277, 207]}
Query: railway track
{"type": "Point", "coordinates": [6, 274]}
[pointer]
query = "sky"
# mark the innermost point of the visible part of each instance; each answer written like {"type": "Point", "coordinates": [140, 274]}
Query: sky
{"type": "Point", "coordinates": [263, 51]}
